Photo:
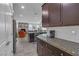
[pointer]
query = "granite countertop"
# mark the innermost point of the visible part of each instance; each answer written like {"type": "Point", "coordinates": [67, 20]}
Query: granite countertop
{"type": "Point", "coordinates": [67, 46]}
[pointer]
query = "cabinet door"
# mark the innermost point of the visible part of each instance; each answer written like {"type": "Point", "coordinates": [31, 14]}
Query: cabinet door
{"type": "Point", "coordinates": [39, 47]}
{"type": "Point", "coordinates": [48, 51]}
{"type": "Point", "coordinates": [54, 14]}
{"type": "Point", "coordinates": [54, 51]}
{"type": "Point", "coordinates": [45, 20]}
{"type": "Point", "coordinates": [45, 51]}
{"type": "Point", "coordinates": [70, 13]}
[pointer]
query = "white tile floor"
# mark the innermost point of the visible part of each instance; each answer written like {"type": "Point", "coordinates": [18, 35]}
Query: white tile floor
{"type": "Point", "coordinates": [24, 48]}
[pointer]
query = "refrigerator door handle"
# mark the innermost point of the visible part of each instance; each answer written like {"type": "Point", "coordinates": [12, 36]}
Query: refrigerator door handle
{"type": "Point", "coordinates": [7, 43]}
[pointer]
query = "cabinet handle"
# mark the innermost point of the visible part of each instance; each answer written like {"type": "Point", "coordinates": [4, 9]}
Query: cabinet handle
{"type": "Point", "coordinates": [41, 46]}
{"type": "Point", "coordinates": [61, 54]}
{"type": "Point", "coordinates": [46, 45]}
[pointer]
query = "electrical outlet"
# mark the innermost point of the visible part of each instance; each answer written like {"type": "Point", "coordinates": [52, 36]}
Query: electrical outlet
{"type": "Point", "coordinates": [73, 32]}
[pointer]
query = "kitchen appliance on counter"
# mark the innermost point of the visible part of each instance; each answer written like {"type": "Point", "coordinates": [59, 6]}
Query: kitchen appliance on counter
{"type": "Point", "coordinates": [52, 33]}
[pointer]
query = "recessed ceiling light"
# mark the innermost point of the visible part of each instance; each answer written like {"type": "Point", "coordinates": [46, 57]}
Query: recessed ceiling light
{"type": "Point", "coordinates": [21, 15]}
{"type": "Point", "coordinates": [22, 7]}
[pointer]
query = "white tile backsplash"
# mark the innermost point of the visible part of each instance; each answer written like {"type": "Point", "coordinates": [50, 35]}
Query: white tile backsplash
{"type": "Point", "coordinates": [70, 33]}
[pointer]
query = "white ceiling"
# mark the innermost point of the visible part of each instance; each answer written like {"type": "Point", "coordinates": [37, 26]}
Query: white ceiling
{"type": "Point", "coordinates": [6, 9]}
{"type": "Point", "coordinates": [31, 13]}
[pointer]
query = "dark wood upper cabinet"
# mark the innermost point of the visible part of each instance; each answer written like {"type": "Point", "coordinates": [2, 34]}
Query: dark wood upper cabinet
{"type": "Point", "coordinates": [54, 14]}
{"type": "Point", "coordinates": [51, 15]}
{"type": "Point", "coordinates": [70, 13]}
{"type": "Point", "coordinates": [45, 14]}
{"type": "Point", "coordinates": [60, 14]}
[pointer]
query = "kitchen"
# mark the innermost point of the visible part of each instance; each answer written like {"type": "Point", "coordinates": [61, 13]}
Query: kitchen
{"type": "Point", "coordinates": [52, 29]}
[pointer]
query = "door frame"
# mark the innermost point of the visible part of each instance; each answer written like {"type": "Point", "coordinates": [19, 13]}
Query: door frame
{"type": "Point", "coordinates": [14, 36]}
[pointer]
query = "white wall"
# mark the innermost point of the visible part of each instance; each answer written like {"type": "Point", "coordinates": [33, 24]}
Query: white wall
{"type": "Point", "coordinates": [70, 33]}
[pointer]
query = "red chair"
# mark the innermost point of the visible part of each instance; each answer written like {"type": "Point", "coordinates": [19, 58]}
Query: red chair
{"type": "Point", "coordinates": [22, 34]}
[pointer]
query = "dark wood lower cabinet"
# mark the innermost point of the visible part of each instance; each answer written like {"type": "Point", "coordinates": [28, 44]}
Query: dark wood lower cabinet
{"type": "Point", "coordinates": [45, 49]}
{"type": "Point", "coordinates": [31, 37]}
{"type": "Point", "coordinates": [39, 50]}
